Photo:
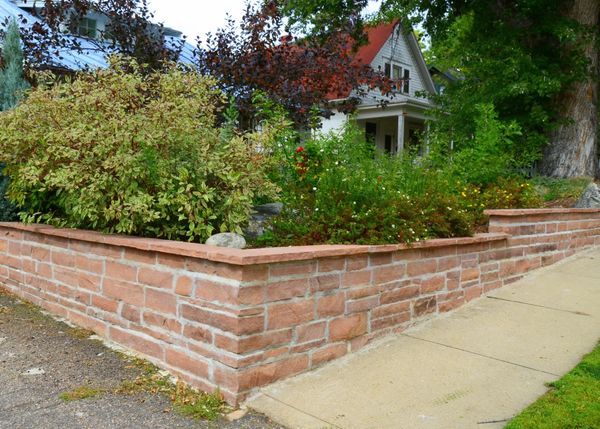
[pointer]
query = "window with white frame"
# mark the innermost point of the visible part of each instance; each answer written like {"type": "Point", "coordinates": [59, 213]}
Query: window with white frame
{"type": "Point", "coordinates": [396, 72]}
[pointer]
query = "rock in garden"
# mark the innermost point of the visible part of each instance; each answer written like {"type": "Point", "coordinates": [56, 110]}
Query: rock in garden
{"type": "Point", "coordinates": [590, 198]}
{"type": "Point", "coordinates": [227, 239]}
{"type": "Point", "coordinates": [262, 213]}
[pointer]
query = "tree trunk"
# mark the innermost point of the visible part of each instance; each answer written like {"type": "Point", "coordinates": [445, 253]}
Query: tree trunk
{"type": "Point", "coordinates": [572, 149]}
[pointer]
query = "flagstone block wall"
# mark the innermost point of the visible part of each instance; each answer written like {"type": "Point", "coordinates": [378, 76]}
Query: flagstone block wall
{"type": "Point", "coordinates": [240, 319]}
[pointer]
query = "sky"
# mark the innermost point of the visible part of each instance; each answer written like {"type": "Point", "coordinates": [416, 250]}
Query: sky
{"type": "Point", "coordinates": [197, 17]}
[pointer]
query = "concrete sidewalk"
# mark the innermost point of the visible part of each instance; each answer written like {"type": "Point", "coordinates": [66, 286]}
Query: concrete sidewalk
{"type": "Point", "coordinates": [474, 368]}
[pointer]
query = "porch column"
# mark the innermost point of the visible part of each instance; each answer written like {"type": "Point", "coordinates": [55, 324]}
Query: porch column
{"type": "Point", "coordinates": [400, 137]}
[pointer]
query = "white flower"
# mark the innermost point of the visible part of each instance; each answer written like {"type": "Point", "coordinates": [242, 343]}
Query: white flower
{"type": "Point", "coordinates": [314, 188]}
{"type": "Point", "coordinates": [317, 209]}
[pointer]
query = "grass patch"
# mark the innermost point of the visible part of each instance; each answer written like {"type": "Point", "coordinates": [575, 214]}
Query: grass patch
{"type": "Point", "coordinates": [80, 333]}
{"type": "Point", "coordinates": [79, 393]}
{"type": "Point", "coordinates": [186, 400]}
{"type": "Point", "coordinates": [573, 402]}
{"type": "Point", "coordinates": [560, 192]}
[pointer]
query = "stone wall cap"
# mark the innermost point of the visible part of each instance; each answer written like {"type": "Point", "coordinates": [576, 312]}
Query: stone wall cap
{"type": "Point", "coordinates": [532, 212]}
{"type": "Point", "coordinates": [244, 256]}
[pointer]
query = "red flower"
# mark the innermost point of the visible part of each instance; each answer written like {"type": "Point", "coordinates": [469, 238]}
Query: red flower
{"type": "Point", "coordinates": [300, 149]}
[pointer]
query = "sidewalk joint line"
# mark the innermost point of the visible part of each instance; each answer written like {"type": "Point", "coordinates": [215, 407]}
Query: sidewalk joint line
{"type": "Point", "coordinates": [481, 355]}
{"type": "Point", "coordinates": [302, 411]}
{"type": "Point", "coordinates": [578, 313]}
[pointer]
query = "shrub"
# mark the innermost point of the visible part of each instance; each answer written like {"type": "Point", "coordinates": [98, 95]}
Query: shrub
{"type": "Point", "coordinates": [131, 152]}
{"type": "Point", "coordinates": [340, 190]}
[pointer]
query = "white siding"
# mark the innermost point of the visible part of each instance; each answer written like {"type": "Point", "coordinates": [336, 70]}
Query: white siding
{"type": "Point", "coordinates": [397, 51]}
{"type": "Point", "coordinates": [335, 122]}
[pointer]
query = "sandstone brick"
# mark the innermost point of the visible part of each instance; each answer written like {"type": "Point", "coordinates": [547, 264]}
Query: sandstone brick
{"type": "Point", "coordinates": [287, 289]}
{"type": "Point", "coordinates": [327, 265]}
{"type": "Point", "coordinates": [419, 268]}
{"type": "Point", "coordinates": [251, 295]}
{"type": "Point", "coordinates": [356, 278]}
{"type": "Point", "coordinates": [325, 282]}
{"type": "Point", "coordinates": [255, 273]}
{"type": "Point", "coordinates": [155, 278]}
{"type": "Point", "coordinates": [198, 333]}
{"type": "Point", "coordinates": [224, 321]}
{"type": "Point", "coordinates": [424, 306]}
{"type": "Point", "coordinates": [128, 292]}
{"type": "Point", "coordinates": [357, 262]}
{"type": "Point", "coordinates": [362, 292]}
{"type": "Point", "coordinates": [391, 309]}
{"type": "Point", "coordinates": [291, 269]}
{"type": "Point", "coordinates": [174, 262]}
{"type": "Point", "coordinates": [389, 273]}
{"type": "Point", "coordinates": [85, 321]}
{"type": "Point", "coordinates": [254, 342]}
{"type": "Point", "coordinates": [400, 294]}
{"type": "Point", "coordinates": [331, 305]}
{"type": "Point", "coordinates": [187, 361]}
{"type": "Point", "coordinates": [310, 332]}
{"type": "Point", "coordinates": [473, 292]}
{"type": "Point", "coordinates": [290, 314]}
{"type": "Point", "coordinates": [469, 274]}
{"type": "Point", "coordinates": [138, 343]}
{"type": "Point", "coordinates": [376, 259]}
{"type": "Point", "coordinates": [215, 292]}
{"type": "Point", "coordinates": [131, 313]}
{"type": "Point", "coordinates": [85, 263]}
{"type": "Point", "coordinates": [184, 286]}
{"type": "Point", "coordinates": [327, 353]}
{"type": "Point", "coordinates": [163, 302]}
{"type": "Point", "coordinates": [433, 284]}
{"type": "Point", "coordinates": [448, 263]}
{"type": "Point", "coordinates": [451, 300]}
{"type": "Point", "coordinates": [360, 305]}
{"type": "Point", "coordinates": [347, 327]}
{"type": "Point", "coordinates": [104, 303]}
{"type": "Point", "coordinates": [40, 254]}
{"type": "Point", "coordinates": [142, 256]}
{"type": "Point", "coordinates": [264, 374]}
{"type": "Point", "coordinates": [89, 282]}
{"type": "Point", "coordinates": [119, 271]}
{"type": "Point", "coordinates": [390, 321]}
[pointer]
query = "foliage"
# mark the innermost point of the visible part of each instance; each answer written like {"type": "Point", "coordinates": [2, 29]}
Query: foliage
{"type": "Point", "coordinates": [185, 399]}
{"type": "Point", "coordinates": [297, 74]}
{"type": "Point", "coordinates": [12, 82]}
{"type": "Point", "coordinates": [485, 156]}
{"type": "Point", "coordinates": [79, 393]}
{"type": "Point", "coordinates": [125, 151]}
{"type": "Point", "coordinates": [572, 402]}
{"type": "Point", "coordinates": [339, 190]}
{"type": "Point", "coordinates": [521, 57]}
{"type": "Point", "coordinates": [129, 32]}
{"type": "Point", "coordinates": [560, 191]}
{"type": "Point", "coordinates": [12, 85]}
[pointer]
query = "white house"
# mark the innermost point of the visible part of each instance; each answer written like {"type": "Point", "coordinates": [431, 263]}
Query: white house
{"type": "Point", "coordinates": [397, 125]}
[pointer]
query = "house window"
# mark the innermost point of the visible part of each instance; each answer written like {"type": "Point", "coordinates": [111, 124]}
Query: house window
{"type": "Point", "coordinates": [397, 72]}
{"type": "Point", "coordinates": [388, 70]}
{"type": "Point", "coordinates": [388, 143]}
{"type": "Point", "coordinates": [405, 86]}
{"type": "Point", "coordinates": [87, 28]}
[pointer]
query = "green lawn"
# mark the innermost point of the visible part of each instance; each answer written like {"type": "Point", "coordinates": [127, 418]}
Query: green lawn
{"type": "Point", "coordinates": [572, 402]}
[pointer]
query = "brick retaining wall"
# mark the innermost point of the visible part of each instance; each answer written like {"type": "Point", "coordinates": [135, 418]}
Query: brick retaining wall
{"type": "Point", "coordinates": [239, 319]}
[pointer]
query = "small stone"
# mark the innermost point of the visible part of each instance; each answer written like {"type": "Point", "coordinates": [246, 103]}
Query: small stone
{"type": "Point", "coordinates": [236, 415]}
{"type": "Point", "coordinates": [227, 239]}
{"type": "Point", "coordinates": [590, 199]}
{"type": "Point", "coordinates": [34, 371]}
{"type": "Point", "coordinates": [2, 339]}
{"type": "Point", "coordinates": [269, 209]}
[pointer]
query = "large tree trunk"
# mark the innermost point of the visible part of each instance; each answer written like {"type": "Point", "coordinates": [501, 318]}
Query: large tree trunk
{"type": "Point", "coordinates": [572, 149]}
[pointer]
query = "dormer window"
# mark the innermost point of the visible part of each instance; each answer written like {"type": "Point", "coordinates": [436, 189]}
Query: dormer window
{"type": "Point", "coordinates": [405, 86]}
{"type": "Point", "coordinates": [396, 72]}
{"type": "Point", "coordinates": [87, 28]}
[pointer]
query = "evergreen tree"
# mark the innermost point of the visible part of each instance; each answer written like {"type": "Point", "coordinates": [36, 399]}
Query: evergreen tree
{"type": "Point", "coordinates": [12, 83]}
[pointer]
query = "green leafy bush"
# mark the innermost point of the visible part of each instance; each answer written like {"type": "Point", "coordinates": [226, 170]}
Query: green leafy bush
{"type": "Point", "coordinates": [340, 190]}
{"type": "Point", "coordinates": [123, 151]}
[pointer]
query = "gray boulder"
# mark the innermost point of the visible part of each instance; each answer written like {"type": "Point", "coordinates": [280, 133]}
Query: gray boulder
{"type": "Point", "coordinates": [262, 213]}
{"type": "Point", "coordinates": [590, 198]}
{"type": "Point", "coordinates": [227, 239]}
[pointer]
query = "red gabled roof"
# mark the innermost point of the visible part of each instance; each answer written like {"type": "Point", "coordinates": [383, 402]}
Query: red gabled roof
{"type": "Point", "coordinates": [376, 38]}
